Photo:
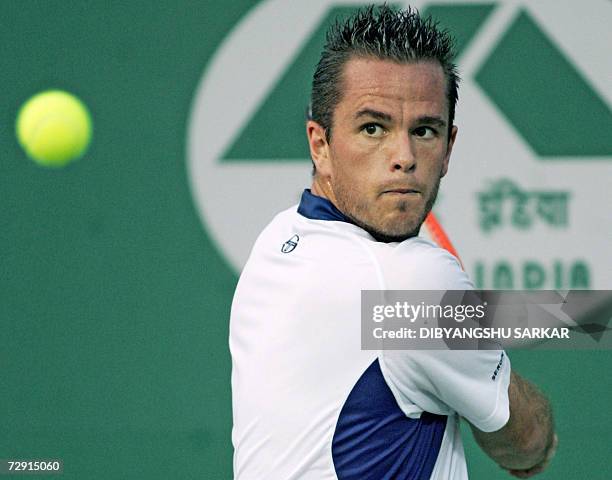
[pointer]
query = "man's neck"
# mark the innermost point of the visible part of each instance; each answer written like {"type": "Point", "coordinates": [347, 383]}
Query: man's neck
{"type": "Point", "coordinates": [322, 188]}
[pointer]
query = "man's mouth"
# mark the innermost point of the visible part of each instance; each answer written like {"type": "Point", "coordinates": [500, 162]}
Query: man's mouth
{"type": "Point", "coordinates": [402, 191]}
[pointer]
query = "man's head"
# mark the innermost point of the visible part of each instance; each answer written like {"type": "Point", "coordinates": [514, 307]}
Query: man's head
{"type": "Point", "coordinates": [381, 131]}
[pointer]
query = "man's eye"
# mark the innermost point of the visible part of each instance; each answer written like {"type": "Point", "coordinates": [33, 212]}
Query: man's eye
{"type": "Point", "coordinates": [373, 130]}
{"type": "Point", "coordinates": [425, 132]}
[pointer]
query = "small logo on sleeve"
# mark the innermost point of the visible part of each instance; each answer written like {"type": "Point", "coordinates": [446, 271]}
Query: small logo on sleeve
{"type": "Point", "coordinates": [498, 368]}
{"type": "Point", "coordinates": [289, 245]}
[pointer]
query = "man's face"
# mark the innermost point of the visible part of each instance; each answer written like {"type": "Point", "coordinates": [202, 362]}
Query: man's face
{"type": "Point", "coordinates": [389, 146]}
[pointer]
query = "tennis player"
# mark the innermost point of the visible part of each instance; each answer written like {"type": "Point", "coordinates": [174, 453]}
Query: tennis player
{"type": "Point", "coordinates": [308, 403]}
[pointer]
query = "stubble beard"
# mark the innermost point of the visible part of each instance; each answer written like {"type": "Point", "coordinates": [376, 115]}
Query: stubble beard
{"type": "Point", "coordinates": [358, 212]}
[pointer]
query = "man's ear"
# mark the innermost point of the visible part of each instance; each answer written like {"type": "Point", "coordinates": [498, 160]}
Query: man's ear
{"type": "Point", "coordinates": [319, 148]}
{"type": "Point", "coordinates": [449, 149]}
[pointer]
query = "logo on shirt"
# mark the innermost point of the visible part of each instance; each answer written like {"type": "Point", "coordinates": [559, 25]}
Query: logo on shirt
{"type": "Point", "coordinates": [289, 245]}
{"type": "Point", "coordinates": [498, 368]}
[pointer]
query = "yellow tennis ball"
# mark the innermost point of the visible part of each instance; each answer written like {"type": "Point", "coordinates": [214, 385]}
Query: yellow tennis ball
{"type": "Point", "coordinates": [54, 128]}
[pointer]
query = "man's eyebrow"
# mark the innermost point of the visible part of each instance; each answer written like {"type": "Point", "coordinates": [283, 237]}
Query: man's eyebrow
{"type": "Point", "coordinates": [368, 112]}
{"type": "Point", "coordinates": [385, 117]}
{"type": "Point", "coordinates": [429, 120]}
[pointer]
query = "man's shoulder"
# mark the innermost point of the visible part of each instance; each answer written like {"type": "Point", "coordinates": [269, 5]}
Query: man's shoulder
{"type": "Point", "coordinates": [284, 216]}
{"type": "Point", "coordinates": [417, 263]}
{"type": "Point", "coordinates": [283, 220]}
{"type": "Point", "coordinates": [291, 221]}
{"type": "Point", "coordinates": [419, 249]}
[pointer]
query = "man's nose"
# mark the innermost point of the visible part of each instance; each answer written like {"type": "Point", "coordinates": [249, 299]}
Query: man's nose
{"type": "Point", "coordinates": [404, 156]}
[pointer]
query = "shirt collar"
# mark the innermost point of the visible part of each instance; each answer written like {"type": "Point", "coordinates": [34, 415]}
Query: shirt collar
{"type": "Point", "coordinates": [319, 208]}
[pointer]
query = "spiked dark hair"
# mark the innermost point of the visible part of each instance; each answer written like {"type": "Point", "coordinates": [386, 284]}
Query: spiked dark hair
{"type": "Point", "coordinates": [385, 33]}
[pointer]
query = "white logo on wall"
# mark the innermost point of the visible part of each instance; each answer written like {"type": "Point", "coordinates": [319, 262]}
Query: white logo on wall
{"type": "Point", "coordinates": [237, 199]}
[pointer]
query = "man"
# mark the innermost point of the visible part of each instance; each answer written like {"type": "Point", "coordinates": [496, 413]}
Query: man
{"type": "Point", "coordinates": [308, 403]}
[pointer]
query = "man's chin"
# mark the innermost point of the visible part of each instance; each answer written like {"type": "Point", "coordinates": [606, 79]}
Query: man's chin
{"type": "Point", "coordinates": [388, 235]}
{"type": "Point", "coordinates": [397, 227]}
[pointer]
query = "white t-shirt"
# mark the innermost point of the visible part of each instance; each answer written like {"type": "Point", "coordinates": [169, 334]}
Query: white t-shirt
{"type": "Point", "coordinates": [308, 402]}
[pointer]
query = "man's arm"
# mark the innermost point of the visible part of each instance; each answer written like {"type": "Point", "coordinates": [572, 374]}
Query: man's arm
{"type": "Point", "coordinates": [527, 442]}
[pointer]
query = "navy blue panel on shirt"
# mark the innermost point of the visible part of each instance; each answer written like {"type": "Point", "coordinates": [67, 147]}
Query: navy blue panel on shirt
{"type": "Point", "coordinates": [374, 440]}
{"type": "Point", "coordinates": [319, 208]}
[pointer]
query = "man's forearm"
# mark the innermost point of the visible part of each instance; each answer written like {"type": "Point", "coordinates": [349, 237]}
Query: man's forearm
{"type": "Point", "coordinates": [528, 435]}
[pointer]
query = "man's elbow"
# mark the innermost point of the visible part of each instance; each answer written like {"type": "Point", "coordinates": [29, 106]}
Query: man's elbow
{"type": "Point", "coordinates": [535, 444]}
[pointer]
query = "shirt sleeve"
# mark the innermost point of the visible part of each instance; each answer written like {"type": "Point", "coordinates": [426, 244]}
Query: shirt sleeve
{"type": "Point", "coordinates": [444, 382]}
{"type": "Point", "coordinates": [472, 383]}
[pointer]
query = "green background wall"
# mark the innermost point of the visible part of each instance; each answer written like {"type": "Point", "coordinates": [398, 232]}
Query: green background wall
{"type": "Point", "coordinates": [114, 302]}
